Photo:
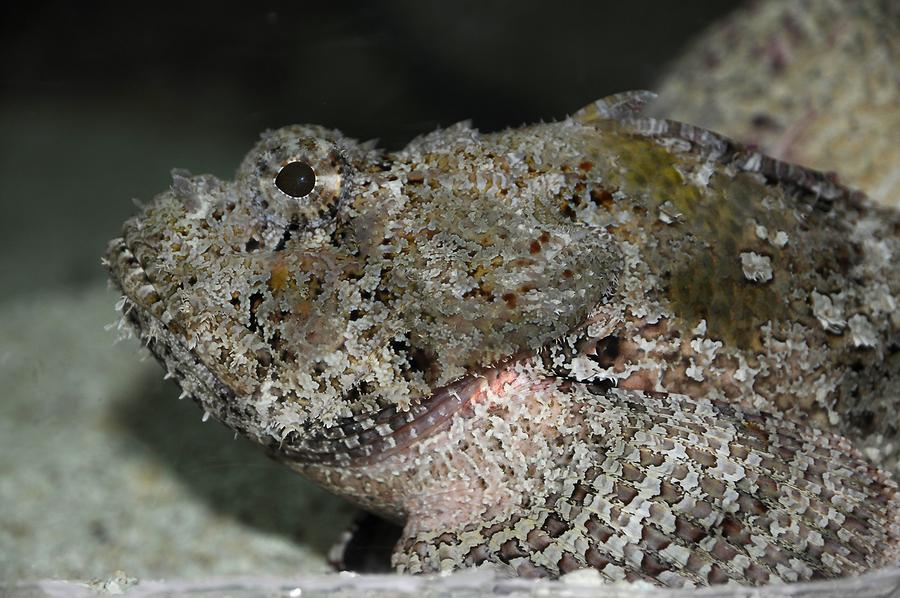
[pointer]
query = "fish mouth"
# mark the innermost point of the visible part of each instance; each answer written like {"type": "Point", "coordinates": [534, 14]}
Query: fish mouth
{"type": "Point", "coordinates": [358, 440]}
{"type": "Point", "coordinates": [367, 439]}
{"type": "Point", "coordinates": [145, 311]}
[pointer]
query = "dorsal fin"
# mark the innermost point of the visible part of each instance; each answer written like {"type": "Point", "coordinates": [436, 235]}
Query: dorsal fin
{"type": "Point", "coordinates": [713, 146]}
{"type": "Point", "coordinates": [627, 104]}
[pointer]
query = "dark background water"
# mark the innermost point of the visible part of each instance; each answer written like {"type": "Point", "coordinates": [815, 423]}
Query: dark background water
{"type": "Point", "coordinates": [98, 101]}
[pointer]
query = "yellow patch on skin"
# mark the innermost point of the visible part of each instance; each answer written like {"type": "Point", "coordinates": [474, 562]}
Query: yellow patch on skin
{"type": "Point", "coordinates": [279, 277]}
{"type": "Point", "coordinates": [704, 275]}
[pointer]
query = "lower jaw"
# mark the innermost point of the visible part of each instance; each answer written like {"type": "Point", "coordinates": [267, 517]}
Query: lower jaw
{"type": "Point", "coordinates": [367, 439]}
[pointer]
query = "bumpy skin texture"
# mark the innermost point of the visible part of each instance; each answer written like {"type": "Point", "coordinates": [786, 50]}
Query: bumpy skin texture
{"type": "Point", "coordinates": [611, 342]}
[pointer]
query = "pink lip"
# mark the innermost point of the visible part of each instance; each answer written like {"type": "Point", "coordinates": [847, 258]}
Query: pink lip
{"type": "Point", "coordinates": [368, 439]}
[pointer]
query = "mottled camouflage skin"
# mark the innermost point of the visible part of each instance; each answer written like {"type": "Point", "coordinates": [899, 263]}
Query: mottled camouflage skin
{"type": "Point", "coordinates": [609, 342]}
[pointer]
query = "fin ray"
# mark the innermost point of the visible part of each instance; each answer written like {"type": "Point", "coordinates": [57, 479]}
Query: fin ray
{"type": "Point", "coordinates": [626, 104]}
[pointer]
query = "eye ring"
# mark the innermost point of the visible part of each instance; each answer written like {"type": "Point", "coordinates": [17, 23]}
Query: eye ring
{"type": "Point", "coordinates": [296, 176]}
{"type": "Point", "coordinates": [296, 179]}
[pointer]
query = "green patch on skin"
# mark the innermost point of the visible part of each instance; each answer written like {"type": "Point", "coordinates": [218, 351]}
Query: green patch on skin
{"type": "Point", "coordinates": [698, 255]}
{"type": "Point", "coordinates": [709, 282]}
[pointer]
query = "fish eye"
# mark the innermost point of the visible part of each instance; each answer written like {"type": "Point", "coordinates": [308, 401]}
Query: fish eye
{"type": "Point", "coordinates": [296, 179]}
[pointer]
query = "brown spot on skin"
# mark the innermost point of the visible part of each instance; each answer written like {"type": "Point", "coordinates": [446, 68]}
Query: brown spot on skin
{"type": "Point", "coordinates": [256, 300]}
{"type": "Point", "coordinates": [640, 380]}
{"type": "Point", "coordinates": [264, 358]}
{"type": "Point", "coordinates": [555, 526]}
{"type": "Point", "coordinates": [598, 531]}
{"type": "Point", "coordinates": [853, 523]}
{"type": "Point", "coordinates": [538, 539]}
{"type": "Point", "coordinates": [652, 566]}
{"type": "Point", "coordinates": [510, 550]}
{"type": "Point", "coordinates": [595, 559]}
{"type": "Point", "coordinates": [532, 571]}
{"type": "Point", "coordinates": [680, 471]}
{"type": "Point", "coordinates": [751, 505]}
{"type": "Point", "coordinates": [482, 291]}
{"type": "Point", "coordinates": [579, 494]}
{"type": "Point", "coordinates": [568, 563]}
{"type": "Point", "coordinates": [625, 493]}
{"type": "Point", "coordinates": [702, 457]}
{"type": "Point", "coordinates": [723, 551]}
{"type": "Point", "coordinates": [756, 574]}
{"type": "Point", "coordinates": [384, 296]}
{"type": "Point", "coordinates": [688, 531]}
{"type": "Point", "coordinates": [493, 529]}
{"type": "Point", "coordinates": [655, 539]}
{"type": "Point", "coordinates": [421, 549]}
{"type": "Point", "coordinates": [522, 262]}
{"type": "Point", "coordinates": [695, 562]}
{"type": "Point", "coordinates": [738, 452]}
{"type": "Point", "coordinates": [602, 198]}
{"type": "Point", "coordinates": [478, 555]}
{"type": "Point", "coordinates": [717, 575]}
{"type": "Point", "coordinates": [607, 350]}
{"type": "Point", "coordinates": [701, 509]}
{"type": "Point", "coordinates": [670, 493]}
{"type": "Point", "coordinates": [713, 487]}
{"type": "Point", "coordinates": [632, 473]}
{"type": "Point", "coordinates": [734, 531]}
{"type": "Point", "coordinates": [658, 330]}
{"type": "Point", "coordinates": [767, 487]}
{"type": "Point", "coordinates": [776, 465]}
{"type": "Point", "coordinates": [757, 432]}
{"type": "Point", "coordinates": [649, 458]}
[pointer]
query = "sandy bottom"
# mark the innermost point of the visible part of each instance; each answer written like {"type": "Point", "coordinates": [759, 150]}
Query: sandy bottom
{"type": "Point", "coordinates": [103, 469]}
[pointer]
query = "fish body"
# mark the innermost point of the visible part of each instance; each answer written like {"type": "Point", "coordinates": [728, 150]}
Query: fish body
{"type": "Point", "coordinates": [610, 341]}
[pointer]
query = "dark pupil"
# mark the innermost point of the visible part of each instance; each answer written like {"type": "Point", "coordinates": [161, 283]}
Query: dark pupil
{"type": "Point", "coordinates": [296, 179]}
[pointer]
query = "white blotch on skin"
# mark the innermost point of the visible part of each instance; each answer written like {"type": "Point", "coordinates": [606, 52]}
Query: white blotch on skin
{"type": "Point", "coordinates": [828, 312]}
{"type": "Point", "coordinates": [757, 268]}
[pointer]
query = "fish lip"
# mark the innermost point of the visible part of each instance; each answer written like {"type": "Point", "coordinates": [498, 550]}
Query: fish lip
{"type": "Point", "coordinates": [144, 309]}
{"type": "Point", "coordinates": [128, 275]}
{"type": "Point", "coordinates": [369, 438]}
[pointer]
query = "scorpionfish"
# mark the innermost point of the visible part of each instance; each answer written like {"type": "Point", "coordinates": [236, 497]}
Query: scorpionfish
{"type": "Point", "coordinates": [611, 342]}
